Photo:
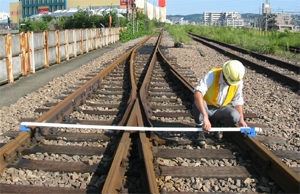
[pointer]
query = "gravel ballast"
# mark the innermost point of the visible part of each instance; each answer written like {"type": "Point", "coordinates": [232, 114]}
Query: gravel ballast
{"type": "Point", "coordinates": [279, 110]}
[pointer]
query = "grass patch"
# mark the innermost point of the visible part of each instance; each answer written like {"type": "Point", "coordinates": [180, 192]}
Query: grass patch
{"type": "Point", "coordinates": [272, 42]}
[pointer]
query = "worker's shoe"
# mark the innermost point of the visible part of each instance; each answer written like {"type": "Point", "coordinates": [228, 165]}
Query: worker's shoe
{"type": "Point", "coordinates": [200, 141]}
{"type": "Point", "coordinates": [219, 135]}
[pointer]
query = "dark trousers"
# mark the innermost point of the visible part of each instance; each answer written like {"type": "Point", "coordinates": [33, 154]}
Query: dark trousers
{"type": "Point", "coordinates": [227, 115]}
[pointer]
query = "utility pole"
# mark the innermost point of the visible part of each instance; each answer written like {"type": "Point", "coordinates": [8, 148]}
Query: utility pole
{"type": "Point", "coordinates": [266, 26]}
{"type": "Point", "coordinates": [133, 11]}
{"type": "Point", "coordinates": [127, 10]}
{"type": "Point", "coordinates": [260, 19]}
{"type": "Point", "coordinates": [133, 8]}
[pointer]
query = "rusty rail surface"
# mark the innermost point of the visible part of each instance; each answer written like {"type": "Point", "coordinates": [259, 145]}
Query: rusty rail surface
{"type": "Point", "coordinates": [138, 113]}
{"type": "Point", "coordinates": [270, 164]}
{"type": "Point", "coordinates": [286, 178]}
{"type": "Point", "coordinates": [11, 150]}
{"type": "Point", "coordinates": [113, 182]}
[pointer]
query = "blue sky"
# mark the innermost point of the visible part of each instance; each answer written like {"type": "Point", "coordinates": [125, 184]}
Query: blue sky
{"type": "Point", "coordinates": [185, 7]}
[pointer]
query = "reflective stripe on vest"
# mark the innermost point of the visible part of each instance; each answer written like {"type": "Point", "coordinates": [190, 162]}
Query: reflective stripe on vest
{"type": "Point", "coordinates": [211, 96]}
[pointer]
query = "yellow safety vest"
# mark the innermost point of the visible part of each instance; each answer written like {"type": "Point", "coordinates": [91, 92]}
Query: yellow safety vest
{"type": "Point", "coordinates": [211, 95]}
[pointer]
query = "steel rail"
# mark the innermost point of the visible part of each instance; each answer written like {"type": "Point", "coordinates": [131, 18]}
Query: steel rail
{"type": "Point", "coordinates": [177, 74]}
{"type": "Point", "coordinates": [12, 149]}
{"type": "Point", "coordinates": [288, 80]}
{"type": "Point", "coordinates": [113, 183]}
{"type": "Point", "coordinates": [143, 92]}
{"type": "Point", "coordinates": [145, 85]}
{"type": "Point", "coordinates": [114, 179]}
{"type": "Point", "coordinates": [286, 178]}
{"type": "Point", "coordinates": [145, 112]}
{"type": "Point", "coordinates": [144, 143]}
{"type": "Point", "coordinates": [295, 68]}
{"type": "Point", "coordinates": [294, 49]}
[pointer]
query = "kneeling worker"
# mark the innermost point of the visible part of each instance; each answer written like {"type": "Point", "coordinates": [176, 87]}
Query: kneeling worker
{"type": "Point", "coordinates": [218, 88]}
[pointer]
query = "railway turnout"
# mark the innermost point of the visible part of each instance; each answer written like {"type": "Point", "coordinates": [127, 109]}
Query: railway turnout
{"type": "Point", "coordinates": [137, 102]}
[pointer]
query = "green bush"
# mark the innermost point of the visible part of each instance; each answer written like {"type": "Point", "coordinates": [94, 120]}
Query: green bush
{"type": "Point", "coordinates": [33, 25]}
{"type": "Point", "coordinates": [179, 32]}
{"type": "Point", "coordinates": [145, 27]}
{"type": "Point", "coordinates": [82, 19]}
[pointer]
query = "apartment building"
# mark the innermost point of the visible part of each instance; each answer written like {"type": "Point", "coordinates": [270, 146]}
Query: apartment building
{"type": "Point", "coordinates": [280, 22]}
{"type": "Point", "coordinates": [4, 17]}
{"type": "Point", "coordinates": [223, 19]}
{"type": "Point", "coordinates": [276, 22]}
{"type": "Point", "coordinates": [4, 20]}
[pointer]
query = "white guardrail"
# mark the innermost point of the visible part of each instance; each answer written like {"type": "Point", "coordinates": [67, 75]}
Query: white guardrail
{"type": "Point", "coordinates": [28, 51]}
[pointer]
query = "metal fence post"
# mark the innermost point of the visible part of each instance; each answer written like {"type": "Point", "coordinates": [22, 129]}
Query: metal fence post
{"type": "Point", "coordinates": [23, 53]}
{"type": "Point", "coordinates": [74, 43]}
{"type": "Point", "coordinates": [100, 36]}
{"type": "Point", "coordinates": [57, 46]}
{"type": "Point", "coordinates": [31, 52]}
{"type": "Point", "coordinates": [87, 40]}
{"type": "Point", "coordinates": [27, 51]}
{"type": "Point", "coordinates": [9, 65]}
{"type": "Point", "coordinates": [81, 43]}
{"type": "Point", "coordinates": [46, 49]}
{"type": "Point", "coordinates": [67, 44]}
{"type": "Point", "coordinates": [92, 38]}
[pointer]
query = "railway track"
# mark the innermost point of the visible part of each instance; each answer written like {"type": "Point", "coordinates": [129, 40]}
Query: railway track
{"type": "Point", "coordinates": [286, 72]}
{"type": "Point", "coordinates": [139, 89]}
{"type": "Point", "coordinates": [292, 49]}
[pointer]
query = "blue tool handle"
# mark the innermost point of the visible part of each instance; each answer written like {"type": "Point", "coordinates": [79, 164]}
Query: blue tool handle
{"type": "Point", "coordinates": [23, 128]}
{"type": "Point", "coordinates": [250, 132]}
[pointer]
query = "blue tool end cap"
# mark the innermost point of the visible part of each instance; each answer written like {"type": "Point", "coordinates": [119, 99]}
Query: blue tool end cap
{"type": "Point", "coordinates": [23, 128]}
{"type": "Point", "coordinates": [250, 131]}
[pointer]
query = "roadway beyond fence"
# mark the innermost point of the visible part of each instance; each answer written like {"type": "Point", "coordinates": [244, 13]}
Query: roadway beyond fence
{"type": "Point", "coordinates": [29, 51]}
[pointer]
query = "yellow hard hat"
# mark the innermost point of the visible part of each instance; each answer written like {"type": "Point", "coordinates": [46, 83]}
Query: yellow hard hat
{"type": "Point", "coordinates": [234, 72]}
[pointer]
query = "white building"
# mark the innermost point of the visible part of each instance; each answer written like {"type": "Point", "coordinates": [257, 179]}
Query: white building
{"type": "Point", "coordinates": [223, 19]}
{"type": "Point", "coordinates": [4, 17]}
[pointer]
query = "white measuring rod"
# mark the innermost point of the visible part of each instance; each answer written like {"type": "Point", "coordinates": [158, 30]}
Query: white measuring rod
{"type": "Point", "coordinates": [131, 128]}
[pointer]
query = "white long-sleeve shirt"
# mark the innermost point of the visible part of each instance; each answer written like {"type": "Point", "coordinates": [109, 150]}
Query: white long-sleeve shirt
{"type": "Point", "coordinates": [208, 80]}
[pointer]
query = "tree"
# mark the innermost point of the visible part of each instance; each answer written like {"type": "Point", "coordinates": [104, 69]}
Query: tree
{"type": "Point", "coordinates": [33, 25]}
{"type": "Point", "coordinates": [84, 19]}
{"type": "Point", "coordinates": [48, 18]}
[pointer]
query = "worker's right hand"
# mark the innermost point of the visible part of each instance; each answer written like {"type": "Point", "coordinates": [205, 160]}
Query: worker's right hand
{"type": "Point", "coordinates": [206, 124]}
